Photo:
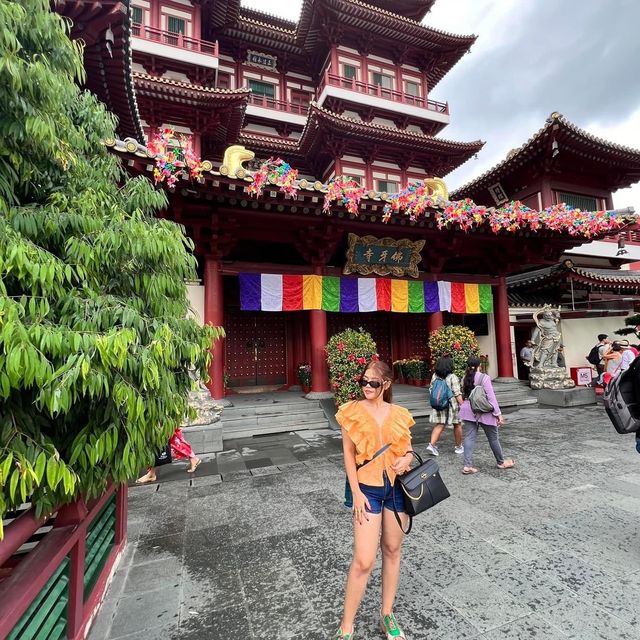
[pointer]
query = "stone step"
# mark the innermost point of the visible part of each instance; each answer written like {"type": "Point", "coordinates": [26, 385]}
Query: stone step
{"type": "Point", "coordinates": [245, 431]}
{"type": "Point", "coordinates": [286, 421]}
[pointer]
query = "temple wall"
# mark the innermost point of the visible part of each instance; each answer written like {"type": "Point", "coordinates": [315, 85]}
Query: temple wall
{"type": "Point", "coordinates": [195, 292]}
{"type": "Point", "coordinates": [488, 346]}
{"type": "Point", "coordinates": [580, 334]}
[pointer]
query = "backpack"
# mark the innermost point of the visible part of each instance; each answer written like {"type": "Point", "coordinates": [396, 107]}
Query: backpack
{"type": "Point", "coordinates": [621, 400]}
{"type": "Point", "coordinates": [440, 394]}
{"type": "Point", "coordinates": [594, 355]}
{"type": "Point", "coordinates": [479, 401]}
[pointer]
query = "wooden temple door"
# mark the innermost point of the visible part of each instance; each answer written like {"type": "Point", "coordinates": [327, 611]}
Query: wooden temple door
{"type": "Point", "coordinates": [255, 348]}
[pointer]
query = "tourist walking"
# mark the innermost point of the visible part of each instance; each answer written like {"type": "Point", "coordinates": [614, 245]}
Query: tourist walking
{"type": "Point", "coordinates": [596, 355]}
{"type": "Point", "coordinates": [373, 494]}
{"type": "Point", "coordinates": [180, 450]}
{"type": "Point", "coordinates": [445, 398]}
{"type": "Point", "coordinates": [490, 421]}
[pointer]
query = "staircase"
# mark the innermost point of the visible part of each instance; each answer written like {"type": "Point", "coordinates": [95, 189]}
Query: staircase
{"type": "Point", "coordinates": [513, 393]}
{"type": "Point", "coordinates": [278, 412]}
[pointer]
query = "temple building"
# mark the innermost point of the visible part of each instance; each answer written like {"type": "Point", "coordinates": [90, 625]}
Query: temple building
{"type": "Point", "coordinates": [344, 91]}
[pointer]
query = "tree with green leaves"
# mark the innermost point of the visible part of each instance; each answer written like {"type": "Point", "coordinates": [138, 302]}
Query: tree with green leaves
{"type": "Point", "coordinates": [96, 352]}
{"type": "Point", "coordinates": [632, 327]}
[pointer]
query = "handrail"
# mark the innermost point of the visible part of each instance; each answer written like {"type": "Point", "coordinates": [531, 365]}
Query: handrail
{"type": "Point", "coordinates": [379, 91]}
{"type": "Point", "coordinates": [278, 105]}
{"type": "Point", "coordinates": [171, 39]}
{"type": "Point", "coordinates": [18, 532]}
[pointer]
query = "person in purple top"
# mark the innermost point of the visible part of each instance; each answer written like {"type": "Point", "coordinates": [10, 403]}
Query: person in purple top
{"type": "Point", "coordinates": [473, 421]}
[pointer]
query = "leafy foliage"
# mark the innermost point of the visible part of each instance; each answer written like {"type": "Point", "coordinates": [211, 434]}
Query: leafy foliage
{"type": "Point", "coordinates": [632, 326]}
{"type": "Point", "coordinates": [347, 354]}
{"type": "Point", "coordinates": [458, 342]}
{"type": "Point", "coordinates": [95, 347]}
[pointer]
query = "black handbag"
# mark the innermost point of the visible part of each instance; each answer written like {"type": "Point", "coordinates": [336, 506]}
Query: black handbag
{"type": "Point", "coordinates": [422, 488]}
{"type": "Point", "coordinates": [164, 456]}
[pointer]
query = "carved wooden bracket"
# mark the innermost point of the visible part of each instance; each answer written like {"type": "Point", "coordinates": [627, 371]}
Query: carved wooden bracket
{"type": "Point", "coordinates": [318, 244]}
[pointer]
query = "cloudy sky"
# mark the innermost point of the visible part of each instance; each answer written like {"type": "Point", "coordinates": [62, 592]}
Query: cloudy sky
{"type": "Point", "coordinates": [533, 57]}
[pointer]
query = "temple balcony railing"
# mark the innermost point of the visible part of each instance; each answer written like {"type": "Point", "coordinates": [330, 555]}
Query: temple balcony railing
{"type": "Point", "coordinates": [175, 46]}
{"type": "Point", "coordinates": [273, 109]}
{"type": "Point", "coordinates": [384, 98]}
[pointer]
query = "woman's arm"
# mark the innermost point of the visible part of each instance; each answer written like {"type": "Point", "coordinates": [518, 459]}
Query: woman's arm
{"type": "Point", "coordinates": [360, 501]}
{"type": "Point", "coordinates": [349, 455]}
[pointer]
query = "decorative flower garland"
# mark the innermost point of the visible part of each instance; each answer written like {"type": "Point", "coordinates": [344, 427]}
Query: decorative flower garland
{"type": "Point", "coordinates": [345, 191]}
{"type": "Point", "coordinates": [415, 201]}
{"type": "Point", "coordinates": [277, 172]}
{"type": "Point", "coordinates": [174, 157]}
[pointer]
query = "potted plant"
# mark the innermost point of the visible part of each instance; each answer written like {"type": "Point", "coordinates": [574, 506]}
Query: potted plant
{"type": "Point", "coordinates": [424, 372]}
{"type": "Point", "coordinates": [398, 371]}
{"type": "Point", "coordinates": [412, 370]}
{"type": "Point", "coordinates": [226, 381]}
{"type": "Point", "coordinates": [304, 376]}
{"type": "Point", "coordinates": [348, 352]}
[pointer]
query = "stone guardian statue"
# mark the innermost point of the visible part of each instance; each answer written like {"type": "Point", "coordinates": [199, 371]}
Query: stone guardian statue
{"type": "Point", "coordinates": [547, 339]}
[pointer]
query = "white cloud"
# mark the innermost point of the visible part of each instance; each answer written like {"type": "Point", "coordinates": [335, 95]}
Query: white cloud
{"type": "Point", "coordinates": [627, 133]}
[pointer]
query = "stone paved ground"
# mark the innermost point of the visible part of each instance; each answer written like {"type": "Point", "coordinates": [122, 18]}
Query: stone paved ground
{"type": "Point", "coordinates": [550, 549]}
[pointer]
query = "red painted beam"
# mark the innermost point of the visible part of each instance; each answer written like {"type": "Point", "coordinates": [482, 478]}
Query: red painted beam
{"type": "Point", "coordinates": [30, 576]}
{"type": "Point", "coordinates": [18, 532]}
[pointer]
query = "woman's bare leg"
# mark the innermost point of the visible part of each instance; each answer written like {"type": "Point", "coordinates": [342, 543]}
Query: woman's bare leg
{"type": "Point", "coordinates": [366, 537]}
{"type": "Point", "coordinates": [436, 433]}
{"type": "Point", "coordinates": [391, 544]}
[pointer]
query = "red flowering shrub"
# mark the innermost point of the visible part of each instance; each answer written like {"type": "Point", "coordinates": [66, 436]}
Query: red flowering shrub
{"type": "Point", "coordinates": [458, 342]}
{"type": "Point", "coordinates": [347, 354]}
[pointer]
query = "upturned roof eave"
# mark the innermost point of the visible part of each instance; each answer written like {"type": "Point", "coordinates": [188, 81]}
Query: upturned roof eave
{"type": "Point", "coordinates": [526, 152]}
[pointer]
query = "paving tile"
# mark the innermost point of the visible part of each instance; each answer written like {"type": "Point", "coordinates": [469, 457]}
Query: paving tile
{"type": "Point", "coordinates": [153, 576]}
{"type": "Point", "coordinates": [230, 623]}
{"type": "Point", "coordinates": [527, 628]}
{"type": "Point", "coordinates": [582, 621]}
{"type": "Point", "coordinates": [484, 605]}
{"type": "Point", "coordinates": [284, 614]}
{"type": "Point", "coordinates": [146, 611]}
{"type": "Point", "coordinates": [573, 572]}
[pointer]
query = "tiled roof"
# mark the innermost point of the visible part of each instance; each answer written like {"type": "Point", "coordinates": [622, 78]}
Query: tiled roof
{"type": "Point", "coordinates": [615, 277]}
{"type": "Point", "coordinates": [518, 156]}
{"type": "Point", "coordinates": [391, 133]}
{"type": "Point", "coordinates": [190, 91]}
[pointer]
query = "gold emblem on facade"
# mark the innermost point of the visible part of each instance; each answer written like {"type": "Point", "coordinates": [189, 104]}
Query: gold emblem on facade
{"type": "Point", "coordinates": [234, 156]}
{"type": "Point", "coordinates": [437, 187]}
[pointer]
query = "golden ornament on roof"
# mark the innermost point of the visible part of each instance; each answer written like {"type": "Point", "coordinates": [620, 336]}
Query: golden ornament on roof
{"type": "Point", "coordinates": [233, 158]}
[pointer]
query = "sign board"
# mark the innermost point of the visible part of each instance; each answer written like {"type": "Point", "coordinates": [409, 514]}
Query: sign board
{"type": "Point", "coordinates": [383, 256]}
{"type": "Point", "coordinates": [498, 194]}
{"type": "Point", "coordinates": [264, 60]}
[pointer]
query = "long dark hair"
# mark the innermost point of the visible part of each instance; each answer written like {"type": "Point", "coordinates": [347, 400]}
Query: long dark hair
{"type": "Point", "coordinates": [444, 367]}
{"type": "Point", "coordinates": [382, 369]}
{"type": "Point", "coordinates": [469, 377]}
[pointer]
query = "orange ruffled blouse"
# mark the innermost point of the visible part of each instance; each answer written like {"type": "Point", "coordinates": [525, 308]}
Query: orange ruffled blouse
{"type": "Point", "coordinates": [369, 437]}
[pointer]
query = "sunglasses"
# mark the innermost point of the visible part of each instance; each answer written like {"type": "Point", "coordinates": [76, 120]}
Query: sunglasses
{"type": "Point", "coordinates": [374, 384]}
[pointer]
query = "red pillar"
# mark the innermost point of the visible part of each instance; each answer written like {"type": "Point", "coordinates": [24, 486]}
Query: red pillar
{"type": "Point", "coordinates": [214, 315]}
{"type": "Point", "coordinates": [503, 329]}
{"type": "Point", "coordinates": [318, 334]}
{"type": "Point", "coordinates": [435, 320]}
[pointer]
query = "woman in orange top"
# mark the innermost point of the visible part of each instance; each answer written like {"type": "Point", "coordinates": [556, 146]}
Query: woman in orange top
{"type": "Point", "coordinates": [368, 425]}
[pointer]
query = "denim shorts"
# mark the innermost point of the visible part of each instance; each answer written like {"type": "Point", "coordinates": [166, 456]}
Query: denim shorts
{"type": "Point", "coordinates": [378, 497]}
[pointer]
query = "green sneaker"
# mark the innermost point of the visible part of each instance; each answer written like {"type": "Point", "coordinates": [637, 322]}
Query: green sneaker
{"type": "Point", "coordinates": [391, 629]}
{"type": "Point", "coordinates": [341, 635]}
